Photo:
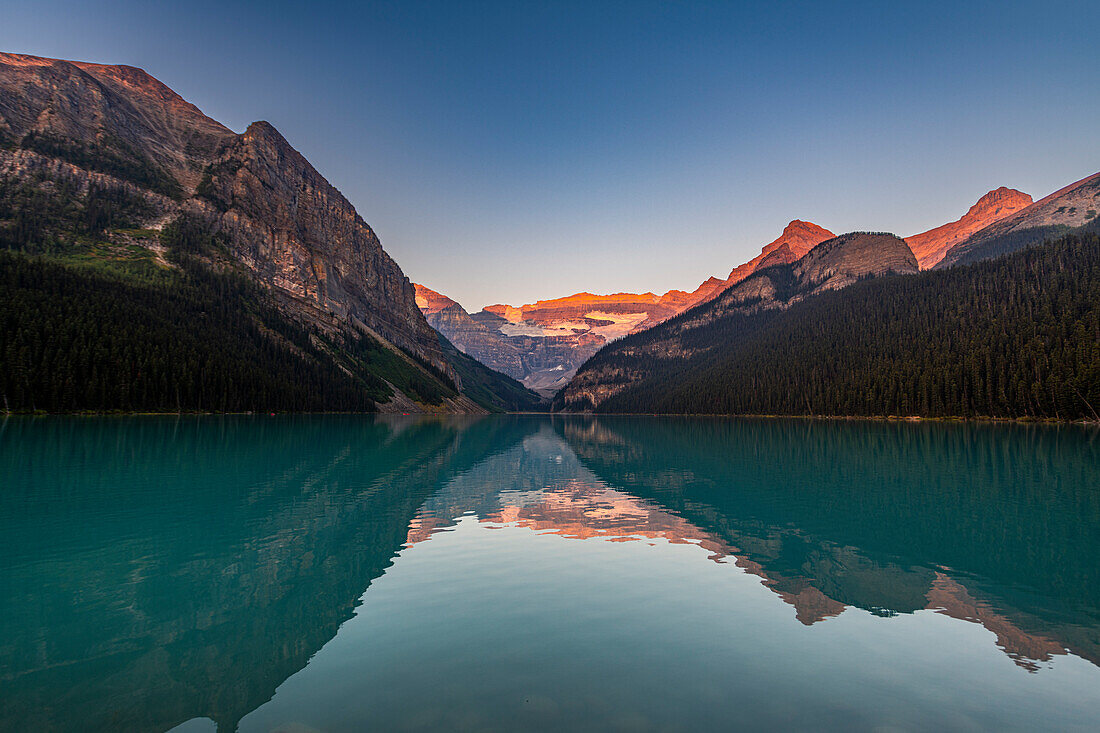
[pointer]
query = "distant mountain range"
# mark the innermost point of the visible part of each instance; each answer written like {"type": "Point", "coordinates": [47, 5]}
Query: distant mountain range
{"type": "Point", "coordinates": [544, 343]}
{"type": "Point", "coordinates": [1015, 337]}
{"type": "Point", "coordinates": [102, 168]}
{"type": "Point", "coordinates": [833, 264]}
{"type": "Point", "coordinates": [152, 259]}
{"type": "Point", "coordinates": [1019, 337]}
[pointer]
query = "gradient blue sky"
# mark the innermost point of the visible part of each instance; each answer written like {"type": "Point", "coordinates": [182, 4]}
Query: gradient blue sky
{"type": "Point", "coordinates": [507, 152]}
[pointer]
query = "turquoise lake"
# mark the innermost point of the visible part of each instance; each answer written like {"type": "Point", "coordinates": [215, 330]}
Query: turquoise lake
{"type": "Point", "coordinates": [347, 573]}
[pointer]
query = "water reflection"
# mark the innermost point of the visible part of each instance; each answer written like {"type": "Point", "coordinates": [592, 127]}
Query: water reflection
{"type": "Point", "coordinates": [159, 569]}
{"type": "Point", "coordinates": [164, 570]}
{"type": "Point", "coordinates": [540, 485]}
{"type": "Point", "coordinates": [850, 515]}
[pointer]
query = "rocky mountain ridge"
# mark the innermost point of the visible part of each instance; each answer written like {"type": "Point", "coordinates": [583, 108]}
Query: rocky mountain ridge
{"type": "Point", "coordinates": [833, 264]}
{"type": "Point", "coordinates": [543, 343]}
{"type": "Point", "coordinates": [798, 238]}
{"type": "Point", "coordinates": [72, 129]}
{"type": "Point", "coordinates": [931, 246]}
{"type": "Point", "coordinates": [1075, 207]}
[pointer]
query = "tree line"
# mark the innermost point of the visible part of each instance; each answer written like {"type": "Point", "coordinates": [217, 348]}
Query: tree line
{"type": "Point", "coordinates": [1015, 337]}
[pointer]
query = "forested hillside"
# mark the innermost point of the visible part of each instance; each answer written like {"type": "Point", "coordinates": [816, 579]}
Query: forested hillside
{"type": "Point", "coordinates": [95, 327]}
{"type": "Point", "coordinates": [1013, 337]}
{"type": "Point", "coordinates": [156, 260]}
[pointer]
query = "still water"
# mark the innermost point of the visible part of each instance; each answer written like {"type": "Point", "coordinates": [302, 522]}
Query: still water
{"type": "Point", "coordinates": [348, 573]}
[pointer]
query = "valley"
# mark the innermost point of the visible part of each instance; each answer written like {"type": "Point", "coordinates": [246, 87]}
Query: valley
{"type": "Point", "coordinates": [158, 216]}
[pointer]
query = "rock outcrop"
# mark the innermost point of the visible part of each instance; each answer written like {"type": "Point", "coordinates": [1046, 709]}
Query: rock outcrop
{"type": "Point", "coordinates": [1075, 206]}
{"type": "Point", "coordinates": [296, 233]}
{"type": "Point", "coordinates": [930, 247]}
{"type": "Point", "coordinates": [798, 238]}
{"type": "Point", "coordinates": [132, 119]}
{"type": "Point", "coordinates": [78, 125]}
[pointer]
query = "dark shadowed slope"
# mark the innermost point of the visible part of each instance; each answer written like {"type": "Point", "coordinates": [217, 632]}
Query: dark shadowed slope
{"type": "Point", "coordinates": [1014, 337]}
{"type": "Point", "coordinates": [675, 344]}
{"type": "Point", "coordinates": [97, 162]}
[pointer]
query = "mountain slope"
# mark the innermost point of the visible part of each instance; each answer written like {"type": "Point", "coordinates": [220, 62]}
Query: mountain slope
{"type": "Point", "coordinates": [931, 246]}
{"type": "Point", "coordinates": [1068, 209]}
{"type": "Point", "coordinates": [1015, 337]}
{"type": "Point", "coordinates": [798, 238]}
{"type": "Point", "coordinates": [833, 264]}
{"type": "Point", "coordinates": [96, 160]}
{"type": "Point", "coordinates": [543, 343]}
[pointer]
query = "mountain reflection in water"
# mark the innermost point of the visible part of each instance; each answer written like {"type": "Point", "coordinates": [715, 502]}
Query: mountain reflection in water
{"type": "Point", "coordinates": [163, 570]}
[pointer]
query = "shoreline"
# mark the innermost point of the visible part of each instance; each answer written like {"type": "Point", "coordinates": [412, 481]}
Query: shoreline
{"type": "Point", "coordinates": [844, 418]}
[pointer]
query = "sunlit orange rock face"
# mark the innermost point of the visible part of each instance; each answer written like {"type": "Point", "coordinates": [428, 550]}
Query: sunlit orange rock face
{"type": "Point", "coordinates": [429, 301]}
{"type": "Point", "coordinates": [798, 238]}
{"type": "Point", "coordinates": [542, 343]}
{"type": "Point", "coordinates": [930, 247]}
{"type": "Point", "coordinates": [580, 305]}
{"type": "Point", "coordinates": [1067, 208]}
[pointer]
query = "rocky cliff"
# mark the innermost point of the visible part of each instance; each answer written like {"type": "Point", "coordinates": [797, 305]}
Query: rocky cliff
{"type": "Point", "coordinates": [68, 129]}
{"type": "Point", "coordinates": [542, 356]}
{"type": "Point", "coordinates": [930, 247]}
{"type": "Point", "coordinates": [297, 234]}
{"type": "Point", "coordinates": [1074, 207]}
{"type": "Point", "coordinates": [798, 238]}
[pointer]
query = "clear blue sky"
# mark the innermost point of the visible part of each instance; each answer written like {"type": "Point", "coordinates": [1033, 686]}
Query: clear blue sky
{"type": "Point", "coordinates": [506, 152]}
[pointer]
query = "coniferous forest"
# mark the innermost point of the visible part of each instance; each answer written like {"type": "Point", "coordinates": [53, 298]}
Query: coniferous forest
{"type": "Point", "coordinates": [78, 340]}
{"type": "Point", "coordinates": [83, 331]}
{"type": "Point", "coordinates": [1015, 337]}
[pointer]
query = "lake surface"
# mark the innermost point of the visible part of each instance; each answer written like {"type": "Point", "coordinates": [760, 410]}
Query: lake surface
{"type": "Point", "coordinates": [346, 573]}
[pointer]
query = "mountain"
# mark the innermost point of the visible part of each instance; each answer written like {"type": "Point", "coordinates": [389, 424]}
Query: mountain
{"type": "Point", "coordinates": [1013, 337]}
{"type": "Point", "coordinates": [468, 335]}
{"type": "Point", "coordinates": [107, 172]}
{"type": "Point", "coordinates": [543, 343]}
{"type": "Point", "coordinates": [833, 264]}
{"type": "Point", "coordinates": [931, 246]}
{"type": "Point", "coordinates": [429, 301]}
{"type": "Point", "coordinates": [798, 238]}
{"type": "Point", "coordinates": [1073, 208]}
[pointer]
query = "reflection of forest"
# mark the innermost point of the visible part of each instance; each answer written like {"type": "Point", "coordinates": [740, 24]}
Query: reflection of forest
{"type": "Point", "coordinates": [206, 562]}
{"type": "Point", "coordinates": [828, 515]}
{"type": "Point", "coordinates": [994, 524]}
{"type": "Point", "coordinates": [191, 566]}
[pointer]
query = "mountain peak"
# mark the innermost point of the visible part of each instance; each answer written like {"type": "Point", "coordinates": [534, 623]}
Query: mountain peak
{"type": "Point", "coordinates": [930, 247]}
{"type": "Point", "coordinates": [840, 261]}
{"type": "Point", "coordinates": [798, 238]}
{"type": "Point", "coordinates": [801, 236]}
{"type": "Point", "coordinates": [1073, 206]}
{"type": "Point", "coordinates": [998, 203]}
{"type": "Point", "coordinates": [798, 226]}
{"type": "Point", "coordinates": [429, 301]}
